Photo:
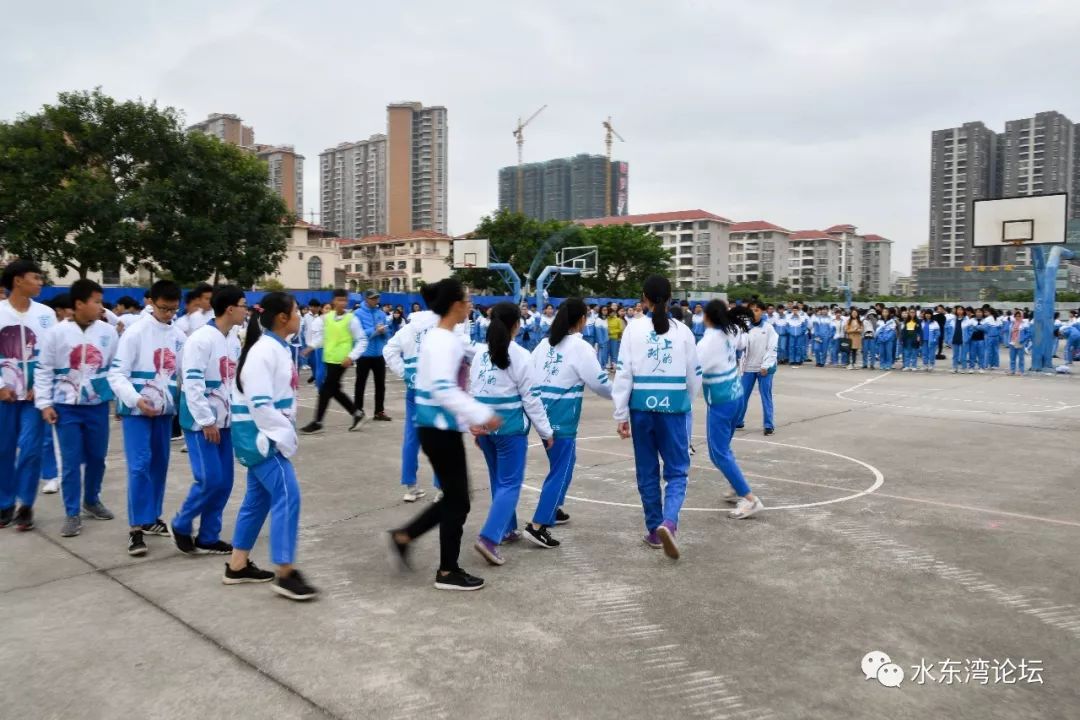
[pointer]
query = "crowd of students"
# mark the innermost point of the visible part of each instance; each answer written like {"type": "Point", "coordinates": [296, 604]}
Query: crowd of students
{"type": "Point", "coordinates": [228, 375]}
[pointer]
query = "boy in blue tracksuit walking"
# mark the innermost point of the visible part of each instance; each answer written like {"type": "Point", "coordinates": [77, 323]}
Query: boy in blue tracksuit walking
{"type": "Point", "coordinates": [23, 322]}
{"type": "Point", "coordinates": [73, 394]}
{"type": "Point", "coordinates": [373, 322]}
{"type": "Point", "coordinates": [656, 377]}
{"type": "Point", "coordinates": [501, 376]}
{"type": "Point", "coordinates": [564, 365]}
{"type": "Point", "coordinates": [209, 362]}
{"type": "Point", "coordinates": [143, 378]}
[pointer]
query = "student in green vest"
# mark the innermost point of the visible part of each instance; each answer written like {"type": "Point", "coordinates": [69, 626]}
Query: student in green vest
{"type": "Point", "coordinates": [342, 342]}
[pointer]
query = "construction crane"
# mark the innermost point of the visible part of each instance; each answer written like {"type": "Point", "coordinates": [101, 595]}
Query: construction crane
{"type": "Point", "coordinates": [609, 133]}
{"type": "Point", "coordinates": [520, 136]}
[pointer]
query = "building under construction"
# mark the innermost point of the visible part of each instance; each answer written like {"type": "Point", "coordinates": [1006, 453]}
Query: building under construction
{"type": "Point", "coordinates": [566, 188]}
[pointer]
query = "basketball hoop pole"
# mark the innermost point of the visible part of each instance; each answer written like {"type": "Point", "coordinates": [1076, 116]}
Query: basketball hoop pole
{"type": "Point", "coordinates": [547, 276]}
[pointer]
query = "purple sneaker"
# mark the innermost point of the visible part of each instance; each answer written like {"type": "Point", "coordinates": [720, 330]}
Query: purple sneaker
{"type": "Point", "coordinates": [653, 541]}
{"type": "Point", "coordinates": [666, 533]}
{"type": "Point", "coordinates": [511, 537]}
{"type": "Point", "coordinates": [489, 550]}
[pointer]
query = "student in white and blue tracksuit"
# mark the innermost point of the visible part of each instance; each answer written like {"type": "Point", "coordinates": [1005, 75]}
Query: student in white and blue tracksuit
{"type": "Point", "coordinates": [885, 339]}
{"type": "Point", "coordinates": [22, 324]}
{"type": "Point", "coordinates": [656, 377]}
{"type": "Point", "coordinates": [402, 353]}
{"type": "Point", "coordinates": [929, 332]}
{"type": "Point", "coordinates": [444, 411]}
{"type": "Point", "coordinates": [143, 377]}
{"type": "Point", "coordinates": [208, 363]}
{"type": "Point", "coordinates": [264, 438]}
{"type": "Point", "coordinates": [600, 332]}
{"type": "Point", "coordinates": [565, 365]}
{"type": "Point", "coordinates": [501, 376]}
{"type": "Point", "coordinates": [71, 388]}
{"type": "Point", "coordinates": [1019, 340]}
{"type": "Point", "coordinates": [758, 366]}
{"type": "Point", "coordinates": [822, 329]}
{"type": "Point", "coordinates": [722, 387]}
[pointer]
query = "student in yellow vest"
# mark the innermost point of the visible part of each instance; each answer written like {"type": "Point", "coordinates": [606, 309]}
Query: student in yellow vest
{"type": "Point", "coordinates": [342, 342]}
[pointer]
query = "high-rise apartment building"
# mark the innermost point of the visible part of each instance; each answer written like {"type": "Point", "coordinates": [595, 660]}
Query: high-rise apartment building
{"type": "Point", "coordinates": [416, 167]}
{"type": "Point", "coordinates": [876, 274]}
{"type": "Point", "coordinates": [352, 182]}
{"type": "Point", "coordinates": [566, 188]}
{"type": "Point", "coordinates": [285, 170]}
{"type": "Point", "coordinates": [963, 168]}
{"type": "Point", "coordinates": [388, 184]}
{"type": "Point", "coordinates": [285, 167]}
{"type": "Point", "coordinates": [813, 261]}
{"type": "Point", "coordinates": [1034, 156]}
{"type": "Point", "coordinates": [920, 257]}
{"type": "Point", "coordinates": [227, 128]}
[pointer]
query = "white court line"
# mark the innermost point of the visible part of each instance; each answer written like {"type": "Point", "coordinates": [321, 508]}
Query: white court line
{"type": "Point", "coordinates": [841, 396]}
{"type": "Point", "coordinates": [879, 478]}
{"type": "Point", "coordinates": [922, 501]}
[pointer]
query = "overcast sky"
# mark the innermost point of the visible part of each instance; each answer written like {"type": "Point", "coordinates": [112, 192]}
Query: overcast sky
{"type": "Point", "coordinates": [803, 114]}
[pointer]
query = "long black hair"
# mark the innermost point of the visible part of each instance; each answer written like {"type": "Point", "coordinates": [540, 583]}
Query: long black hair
{"type": "Point", "coordinates": [504, 316]}
{"type": "Point", "coordinates": [262, 316]}
{"type": "Point", "coordinates": [447, 292]}
{"type": "Point", "coordinates": [721, 319]}
{"type": "Point", "coordinates": [569, 315]}
{"type": "Point", "coordinates": [657, 289]}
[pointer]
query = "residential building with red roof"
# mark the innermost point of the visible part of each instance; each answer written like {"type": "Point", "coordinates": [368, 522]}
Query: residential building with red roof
{"type": "Point", "coordinates": [757, 252]}
{"type": "Point", "coordinates": [697, 239]}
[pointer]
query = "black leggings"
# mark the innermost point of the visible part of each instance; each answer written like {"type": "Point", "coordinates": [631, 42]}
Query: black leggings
{"type": "Point", "coordinates": [446, 451]}
{"type": "Point", "coordinates": [377, 365]}
{"type": "Point", "coordinates": [331, 388]}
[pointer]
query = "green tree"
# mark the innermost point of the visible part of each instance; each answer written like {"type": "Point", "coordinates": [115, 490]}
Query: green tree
{"type": "Point", "coordinates": [516, 239]}
{"type": "Point", "coordinates": [215, 198]}
{"type": "Point", "coordinates": [626, 256]}
{"type": "Point", "coordinates": [72, 179]}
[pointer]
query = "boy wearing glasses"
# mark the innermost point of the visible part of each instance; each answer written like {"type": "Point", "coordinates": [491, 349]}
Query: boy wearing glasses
{"type": "Point", "coordinates": [143, 377]}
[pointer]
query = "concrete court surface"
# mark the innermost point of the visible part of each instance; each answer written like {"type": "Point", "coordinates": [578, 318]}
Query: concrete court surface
{"type": "Point", "coordinates": [931, 517]}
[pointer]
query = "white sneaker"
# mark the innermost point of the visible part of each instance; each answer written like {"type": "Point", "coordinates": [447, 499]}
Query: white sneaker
{"type": "Point", "coordinates": [981, 371]}
{"type": "Point", "coordinates": [51, 486]}
{"type": "Point", "coordinates": [438, 496]}
{"type": "Point", "coordinates": [746, 509]}
{"type": "Point", "coordinates": [730, 496]}
{"type": "Point", "coordinates": [413, 494]}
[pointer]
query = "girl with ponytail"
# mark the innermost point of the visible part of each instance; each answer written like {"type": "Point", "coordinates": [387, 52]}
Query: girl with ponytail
{"type": "Point", "coordinates": [564, 364]}
{"type": "Point", "coordinates": [264, 438]}
{"type": "Point", "coordinates": [656, 378]}
{"type": "Point", "coordinates": [501, 377]}
{"type": "Point", "coordinates": [724, 397]}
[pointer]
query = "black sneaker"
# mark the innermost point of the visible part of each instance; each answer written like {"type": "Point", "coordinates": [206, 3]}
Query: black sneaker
{"type": "Point", "coordinates": [218, 547]}
{"type": "Point", "coordinates": [6, 516]}
{"type": "Point", "coordinates": [294, 587]}
{"type": "Point", "coordinates": [357, 420]}
{"type": "Point", "coordinates": [24, 518]}
{"type": "Point", "coordinates": [186, 543]}
{"type": "Point", "coordinates": [561, 518]}
{"type": "Point", "coordinates": [311, 427]}
{"type": "Point", "coordinates": [382, 417]}
{"type": "Point", "coordinates": [311, 380]}
{"type": "Point", "coordinates": [250, 574]}
{"type": "Point", "coordinates": [399, 552]}
{"type": "Point", "coordinates": [769, 431]}
{"type": "Point", "coordinates": [458, 580]}
{"type": "Point", "coordinates": [540, 536]}
{"type": "Point", "coordinates": [136, 546]}
{"type": "Point", "coordinates": [158, 527]}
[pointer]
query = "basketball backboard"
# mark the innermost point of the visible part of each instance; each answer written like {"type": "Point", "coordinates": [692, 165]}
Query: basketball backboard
{"type": "Point", "coordinates": [1029, 220]}
{"type": "Point", "coordinates": [584, 258]}
{"type": "Point", "coordinates": [471, 253]}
